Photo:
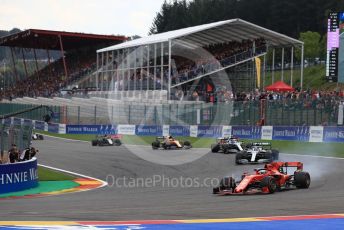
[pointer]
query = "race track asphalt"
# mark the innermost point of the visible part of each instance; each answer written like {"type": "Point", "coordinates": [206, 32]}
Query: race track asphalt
{"type": "Point", "coordinates": [325, 195]}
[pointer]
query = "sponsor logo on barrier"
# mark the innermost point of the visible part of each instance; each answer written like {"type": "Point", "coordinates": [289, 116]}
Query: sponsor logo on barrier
{"type": "Point", "coordinates": [179, 130]}
{"type": "Point", "coordinates": [296, 133]}
{"type": "Point", "coordinates": [148, 130]}
{"type": "Point", "coordinates": [226, 131]}
{"type": "Point", "coordinates": [209, 131]}
{"type": "Point", "coordinates": [17, 121]}
{"type": "Point", "coordinates": [165, 130]}
{"type": "Point", "coordinates": [54, 128]}
{"type": "Point", "coordinates": [90, 129]}
{"type": "Point", "coordinates": [266, 133]}
{"type": "Point", "coordinates": [39, 125]}
{"type": "Point", "coordinates": [248, 132]}
{"type": "Point", "coordinates": [333, 134]}
{"type": "Point", "coordinates": [316, 133]}
{"type": "Point", "coordinates": [62, 129]}
{"type": "Point", "coordinates": [193, 130]}
{"type": "Point", "coordinates": [18, 176]}
{"type": "Point", "coordinates": [126, 129]}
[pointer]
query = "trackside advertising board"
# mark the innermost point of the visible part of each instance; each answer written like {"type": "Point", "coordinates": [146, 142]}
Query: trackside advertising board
{"type": "Point", "coordinates": [247, 132]}
{"type": "Point", "coordinates": [290, 133]}
{"type": "Point", "coordinates": [89, 129]}
{"type": "Point", "coordinates": [294, 133]}
{"type": "Point", "coordinates": [18, 176]}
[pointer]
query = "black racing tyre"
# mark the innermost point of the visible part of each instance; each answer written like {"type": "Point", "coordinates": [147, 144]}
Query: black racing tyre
{"type": "Point", "coordinates": [216, 190]}
{"type": "Point", "coordinates": [268, 155]}
{"type": "Point", "coordinates": [117, 142]}
{"type": "Point", "coordinates": [274, 155]}
{"type": "Point", "coordinates": [155, 145]}
{"type": "Point", "coordinates": [40, 137]}
{"type": "Point", "coordinates": [238, 157]}
{"type": "Point", "coordinates": [187, 143]}
{"type": "Point", "coordinates": [94, 142]}
{"type": "Point", "coordinates": [215, 148]}
{"type": "Point", "coordinates": [270, 183]}
{"type": "Point", "coordinates": [302, 179]}
{"type": "Point", "coordinates": [227, 183]}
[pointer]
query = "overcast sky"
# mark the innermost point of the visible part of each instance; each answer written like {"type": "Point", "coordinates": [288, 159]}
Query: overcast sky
{"type": "Point", "coordinates": [126, 17]}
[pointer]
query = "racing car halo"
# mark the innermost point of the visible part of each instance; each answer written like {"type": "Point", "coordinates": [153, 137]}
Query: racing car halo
{"type": "Point", "coordinates": [273, 177]}
{"type": "Point", "coordinates": [168, 142]}
{"type": "Point", "coordinates": [227, 145]}
{"type": "Point", "coordinates": [257, 152]}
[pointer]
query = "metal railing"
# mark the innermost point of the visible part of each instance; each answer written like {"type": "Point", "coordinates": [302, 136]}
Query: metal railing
{"type": "Point", "coordinates": [279, 112]}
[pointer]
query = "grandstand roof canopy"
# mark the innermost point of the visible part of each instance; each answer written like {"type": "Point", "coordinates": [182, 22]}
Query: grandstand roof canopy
{"type": "Point", "coordinates": [48, 39]}
{"type": "Point", "coordinates": [216, 32]}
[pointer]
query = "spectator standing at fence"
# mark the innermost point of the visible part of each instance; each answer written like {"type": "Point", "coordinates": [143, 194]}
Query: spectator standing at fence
{"type": "Point", "coordinates": [13, 154]}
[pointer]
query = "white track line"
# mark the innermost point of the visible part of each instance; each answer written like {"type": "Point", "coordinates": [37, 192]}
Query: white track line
{"type": "Point", "coordinates": [104, 183]}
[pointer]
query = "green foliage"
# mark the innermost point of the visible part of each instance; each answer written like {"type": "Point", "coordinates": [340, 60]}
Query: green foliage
{"type": "Point", "coordinates": [313, 43]}
{"type": "Point", "coordinates": [288, 17]}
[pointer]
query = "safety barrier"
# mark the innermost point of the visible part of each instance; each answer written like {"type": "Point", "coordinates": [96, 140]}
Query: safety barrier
{"type": "Point", "coordinates": [291, 133]}
{"type": "Point", "coordinates": [18, 176]}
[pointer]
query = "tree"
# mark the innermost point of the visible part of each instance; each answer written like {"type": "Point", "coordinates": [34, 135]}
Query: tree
{"type": "Point", "coordinates": [312, 44]}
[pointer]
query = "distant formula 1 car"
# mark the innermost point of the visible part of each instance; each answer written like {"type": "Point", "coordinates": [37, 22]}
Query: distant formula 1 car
{"type": "Point", "coordinates": [259, 152]}
{"type": "Point", "coordinates": [36, 136]}
{"type": "Point", "coordinates": [106, 140]}
{"type": "Point", "coordinates": [169, 142]}
{"type": "Point", "coordinates": [227, 145]}
{"type": "Point", "coordinates": [273, 177]}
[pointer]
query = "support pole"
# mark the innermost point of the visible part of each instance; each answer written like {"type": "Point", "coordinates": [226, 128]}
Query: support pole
{"type": "Point", "coordinates": [49, 63]}
{"type": "Point", "coordinates": [162, 66]}
{"type": "Point", "coordinates": [302, 53]}
{"type": "Point", "coordinates": [14, 65]}
{"type": "Point", "coordinates": [102, 73]}
{"type": "Point", "coordinates": [37, 70]}
{"type": "Point", "coordinates": [264, 70]}
{"type": "Point", "coordinates": [24, 61]}
{"type": "Point", "coordinates": [154, 80]}
{"type": "Point", "coordinates": [135, 69]}
{"type": "Point", "coordinates": [291, 66]}
{"type": "Point", "coordinates": [273, 66]}
{"type": "Point", "coordinates": [63, 57]}
{"type": "Point", "coordinates": [148, 50]}
{"type": "Point", "coordinates": [97, 72]}
{"type": "Point", "coordinates": [282, 65]}
{"type": "Point", "coordinates": [169, 69]}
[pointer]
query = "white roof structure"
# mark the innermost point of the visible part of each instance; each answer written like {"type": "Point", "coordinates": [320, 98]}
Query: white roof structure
{"type": "Point", "coordinates": [216, 32]}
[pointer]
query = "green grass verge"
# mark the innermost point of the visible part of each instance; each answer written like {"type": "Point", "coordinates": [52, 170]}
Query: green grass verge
{"type": "Point", "coordinates": [314, 78]}
{"type": "Point", "coordinates": [295, 147]}
{"type": "Point", "coordinates": [45, 174]}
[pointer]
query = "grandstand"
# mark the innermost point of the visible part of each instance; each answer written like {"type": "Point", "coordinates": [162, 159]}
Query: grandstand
{"type": "Point", "coordinates": [77, 59]}
{"type": "Point", "coordinates": [165, 78]}
{"type": "Point", "coordinates": [192, 62]}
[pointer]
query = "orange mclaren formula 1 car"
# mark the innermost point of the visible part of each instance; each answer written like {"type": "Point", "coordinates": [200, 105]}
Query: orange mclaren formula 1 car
{"type": "Point", "coordinates": [168, 142]}
{"type": "Point", "coordinates": [275, 176]}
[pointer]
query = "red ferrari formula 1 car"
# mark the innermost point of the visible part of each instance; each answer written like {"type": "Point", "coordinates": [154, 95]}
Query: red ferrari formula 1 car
{"type": "Point", "coordinates": [273, 177]}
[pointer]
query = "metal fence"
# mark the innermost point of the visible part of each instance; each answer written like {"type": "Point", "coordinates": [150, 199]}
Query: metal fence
{"type": "Point", "coordinates": [20, 135]}
{"type": "Point", "coordinates": [280, 112]}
